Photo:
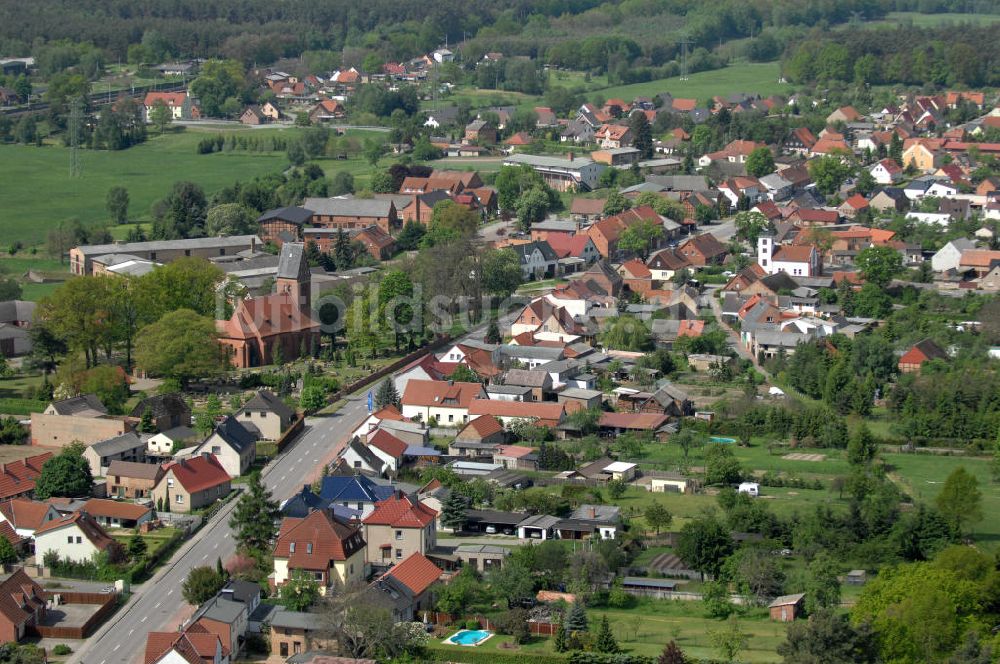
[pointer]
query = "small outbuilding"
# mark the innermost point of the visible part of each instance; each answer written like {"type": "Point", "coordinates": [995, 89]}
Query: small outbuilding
{"type": "Point", "coordinates": [787, 607]}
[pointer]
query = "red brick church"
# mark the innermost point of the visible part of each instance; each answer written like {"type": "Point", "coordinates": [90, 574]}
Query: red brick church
{"type": "Point", "coordinates": [261, 325]}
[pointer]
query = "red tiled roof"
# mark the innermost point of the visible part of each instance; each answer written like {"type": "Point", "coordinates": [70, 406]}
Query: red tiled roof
{"type": "Point", "coordinates": [416, 573]}
{"type": "Point", "coordinates": [793, 253]}
{"type": "Point", "coordinates": [483, 426]}
{"type": "Point", "coordinates": [690, 328]}
{"type": "Point", "coordinates": [199, 473]}
{"type": "Point", "coordinates": [827, 145]}
{"type": "Point", "coordinates": [24, 513]}
{"type": "Point", "coordinates": [566, 245]}
{"type": "Point", "coordinates": [19, 598]}
{"type": "Point", "coordinates": [636, 269]}
{"type": "Point", "coordinates": [513, 451]}
{"type": "Point", "coordinates": [266, 316]}
{"type": "Point", "coordinates": [643, 421]}
{"type": "Point", "coordinates": [816, 215]}
{"type": "Point", "coordinates": [684, 104]}
{"type": "Point", "coordinates": [171, 99]}
{"type": "Point", "coordinates": [400, 512]}
{"type": "Point", "coordinates": [388, 443]}
{"type": "Point", "coordinates": [440, 393]}
{"type": "Point", "coordinates": [979, 258]}
{"type": "Point", "coordinates": [390, 413]}
{"type": "Point", "coordinates": [525, 409]}
{"type": "Point", "coordinates": [115, 509]}
{"type": "Point", "coordinates": [85, 523]}
{"type": "Point", "coordinates": [587, 205]}
{"type": "Point", "coordinates": [18, 477]}
{"type": "Point", "coordinates": [857, 201]}
{"type": "Point", "coordinates": [318, 539]}
{"type": "Point", "coordinates": [7, 532]}
{"type": "Point", "coordinates": [196, 645]}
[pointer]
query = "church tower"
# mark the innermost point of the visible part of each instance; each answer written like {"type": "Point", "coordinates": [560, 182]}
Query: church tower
{"type": "Point", "coordinates": [765, 251]}
{"type": "Point", "coordinates": [294, 278]}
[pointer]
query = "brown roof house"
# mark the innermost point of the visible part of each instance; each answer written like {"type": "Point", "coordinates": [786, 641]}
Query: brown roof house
{"type": "Point", "coordinates": [27, 516]}
{"type": "Point", "coordinates": [77, 536]}
{"type": "Point", "coordinates": [128, 479]}
{"type": "Point", "coordinates": [405, 588]}
{"type": "Point", "coordinates": [168, 411]}
{"type": "Point", "coordinates": [323, 548]}
{"type": "Point", "coordinates": [445, 401]}
{"type": "Point", "coordinates": [267, 415]}
{"type": "Point", "coordinates": [702, 250]}
{"type": "Point", "coordinates": [787, 607]}
{"type": "Point", "coordinates": [22, 605]}
{"type": "Point", "coordinates": [195, 645]}
{"type": "Point", "coordinates": [189, 484]}
{"type": "Point", "coordinates": [398, 528]}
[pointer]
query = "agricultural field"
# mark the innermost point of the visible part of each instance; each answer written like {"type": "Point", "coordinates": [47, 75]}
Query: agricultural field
{"type": "Point", "coordinates": [38, 192]}
{"type": "Point", "coordinates": [752, 78]}
{"type": "Point", "coordinates": [894, 19]}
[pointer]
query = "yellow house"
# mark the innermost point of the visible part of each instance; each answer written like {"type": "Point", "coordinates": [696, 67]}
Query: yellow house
{"type": "Point", "coordinates": [320, 546]}
{"type": "Point", "coordinates": [922, 157]}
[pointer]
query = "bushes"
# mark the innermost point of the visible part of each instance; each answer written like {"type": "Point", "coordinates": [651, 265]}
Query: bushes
{"type": "Point", "coordinates": [61, 649]}
{"type": "Point", "coordinates": [773, 479]}
{"type": "Point", "coordinates": [491, 656]}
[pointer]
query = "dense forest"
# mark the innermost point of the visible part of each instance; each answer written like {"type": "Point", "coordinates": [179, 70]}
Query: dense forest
{"type": "Point", "coordinates": [945, 56]}
{"type": "Point", "coordinates": [643, 33]}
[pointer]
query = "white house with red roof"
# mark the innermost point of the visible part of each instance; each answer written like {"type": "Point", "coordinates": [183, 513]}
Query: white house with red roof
{"type": "Point", "coordinates": [76, 537]}
{"type": "Point", "coordinates": [445, 401]}
{"type": "Point", "coordinates": [796, 260]}
{"type": "Point", "coordinates": [26, 516]}
{"type": "Point", "coordinates": [189, 484]}
{"type": "Point", "coordinates": [180, 104]}
{"type": "Point", "coordinates": [886, 171]}
{"type": "Point", "coordinates": [372, 422]}
{"type": "Point", "coordinates": [195, 645]}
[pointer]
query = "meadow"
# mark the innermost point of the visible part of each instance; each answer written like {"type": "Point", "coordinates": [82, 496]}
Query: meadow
{"type": "Point", "coordinates": [751, 78]}
{"type": "Point", "coordinates": [38, 194]}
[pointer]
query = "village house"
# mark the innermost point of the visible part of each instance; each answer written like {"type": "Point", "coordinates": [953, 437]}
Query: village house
{"type": "Point", "coordinates": [295, 633]}
{"type": "Point", "coordinates": [283, 224]}
{"type": "Point", "coordinates": [357, 492]}
{"type": "Point", "coordinates": [480, 132]}
{"type": "Point", "coordinates": [397, 528]}
{"type": "Point", "coordinates": [886, 172]}
{"type": "Point", "coordinates": [180, 104]}
{"type": "Point", "coordinates": [446, 402]}
{"type": "Point", "coordinates": [130, 446]}
{"type": "Point", "coordinates": [77, 537]}
{"type": "Point", "coordinates": [17, 478]}
{"type": "Point", "coordinates": [130, 480]}
{"type": "Point", "coordinates": [194, 645]}
{"type": "Point", "coordinates": [919, 353]}
{"type": "Point", "coordinates": [405, 589]}
{"type": "Point", "coordinates": [26, 516]}
{"type": "Point", "coordinates": [701, 250]}
{"type": "Point", "coordinates": [353, 213]}
{"type": "Point", "coordinates": [191, 484]}
{"type": "Point", "coordinates": [117, 514]}
{"type": "Point", "coordinates": [321, 547]}
{"type": "Point", "coordinates": [231, 445]}
{"type": "Point", "coordinates": [266, 415]}
{"type": "Point", "coordinates": [23, 608]}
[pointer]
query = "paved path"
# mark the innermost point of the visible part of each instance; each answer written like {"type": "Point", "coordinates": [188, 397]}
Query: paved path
{"type": "Point", "coordinates": [157, 605]}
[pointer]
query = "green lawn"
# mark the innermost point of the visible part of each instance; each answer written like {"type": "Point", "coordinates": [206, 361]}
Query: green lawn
{"type": "Point", "coordinates": [646, 628]}
{"type": "Point", "coordinates": [154, 539]}
{"type": "Point", "coordinates": [922, 476]}
{"type": "Point", "coordinates": [753, 78]}
{"type": "Point", "coordinates": [38, 192]}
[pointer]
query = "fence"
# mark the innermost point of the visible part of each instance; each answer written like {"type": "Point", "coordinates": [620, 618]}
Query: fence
{"type": "Point", "coordinates": [293, 431]}
{"type": "Point", "coordinates": [108, 603]}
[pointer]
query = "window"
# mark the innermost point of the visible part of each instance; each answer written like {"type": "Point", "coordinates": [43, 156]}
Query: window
{"type": "Point", "coordinates": [399, 554]}
{"type": "Point", "coordinates": [451, 418]}
{"type": "Point", "coordinates": [351, 568]}
{"type": "Point", "coordinates": [187, 252]}
{"type": "Point", "coordinates": [170, 483]}
{"type": "Point", "coordinates": [79, 539]}
{"type": "Point", "coordinates": [291, 548]}
{"type": "Point", "coordinates": [180, 499]}
{"type": "Point", "coordinates": [399, 534]}
{"type": "Point", "coordinates": [69, 539]}
{"type": "Point", "coordinates": [357, 464]}
{"type": "Point", "coordinates": [309, 547]}
{"type": "Point", "coordinates": [216, 449]}
{"type": "Point", "coordinates": [152, 255]}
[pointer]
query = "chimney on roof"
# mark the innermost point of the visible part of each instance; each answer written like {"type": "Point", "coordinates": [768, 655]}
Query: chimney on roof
{"type": "Point", "coordinates": [571, 155]}
{"type": "Point", "coordinates": [593, 512]}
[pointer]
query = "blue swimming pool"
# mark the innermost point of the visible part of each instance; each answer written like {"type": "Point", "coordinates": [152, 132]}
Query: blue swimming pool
{"type": "Point", "coordinates": [469, 637]}
{"type": "Point", "coordinates": [721, 439]}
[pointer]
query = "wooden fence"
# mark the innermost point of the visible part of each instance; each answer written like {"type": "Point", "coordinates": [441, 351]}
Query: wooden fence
{"type": "Point", "coordinates": [292, 432]}
{"type": "Point", "coordinates": [107, 602]}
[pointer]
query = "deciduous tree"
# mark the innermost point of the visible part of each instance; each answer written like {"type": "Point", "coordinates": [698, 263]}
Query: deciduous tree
{"type": "Point", "coordinates": [181, 345]}
{"type": "Point", "coordinates": [66, 474]}
{"type": "Point", "coordinates": [201, 585]}
{"type": "Point", "coordinates": [960, 500]}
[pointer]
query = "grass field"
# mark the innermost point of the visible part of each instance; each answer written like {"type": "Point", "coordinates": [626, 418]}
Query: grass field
{"type": "Point", "coordinates": [747, 77]}
{"type": "Point", "coordinates": [646, 628]}
{"type": "Point", "coordinates": [929, 20]}
{"type": "Point", "coordinates": [38, 192]}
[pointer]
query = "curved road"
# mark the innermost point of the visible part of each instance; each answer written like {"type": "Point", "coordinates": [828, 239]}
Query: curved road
{"type": "Point", "coordinates": [157, 605]}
